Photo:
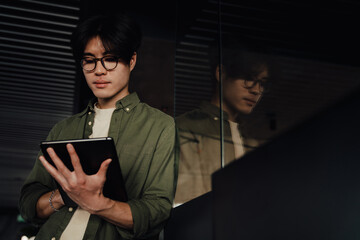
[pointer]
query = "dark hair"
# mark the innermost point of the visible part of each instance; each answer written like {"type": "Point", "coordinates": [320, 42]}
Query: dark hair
{"type": "Point", "coordinates": [239, 63]}
{"type": "Point", "coordinates": [240, 59]}
{"type": "Point", "coordinates": [120, 35]}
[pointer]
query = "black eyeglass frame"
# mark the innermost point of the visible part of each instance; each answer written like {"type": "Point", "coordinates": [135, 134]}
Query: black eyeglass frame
{"type": "Point", "coordinates": [101, 60]}
{"type": "Point", "coordinates": [264, 84]}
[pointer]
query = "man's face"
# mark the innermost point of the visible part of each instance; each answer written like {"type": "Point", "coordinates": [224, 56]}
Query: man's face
{"type": "Point", "coordinates": [108, 86]}
{"type": "Point", "coordinates": [239, 98]}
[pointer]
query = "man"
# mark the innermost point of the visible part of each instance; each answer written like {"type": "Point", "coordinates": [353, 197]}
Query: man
{"type": "Point", "coordinates": [106, 48]}
{"type": "Point", "coordinates": [244, 76]}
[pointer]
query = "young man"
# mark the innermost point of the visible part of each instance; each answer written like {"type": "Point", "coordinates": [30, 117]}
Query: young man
{"type": "Point", "coordinates": [106, 48]}
{"type": "Point", "coordinates": [244, 76]}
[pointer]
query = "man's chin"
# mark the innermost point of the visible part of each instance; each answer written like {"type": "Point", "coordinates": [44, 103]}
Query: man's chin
{"type": "Point", "coordinates": [246, 110]}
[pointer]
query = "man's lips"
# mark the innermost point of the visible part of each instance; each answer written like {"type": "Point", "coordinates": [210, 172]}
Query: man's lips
{"type": "Point", "coordinates": [101, 83]}
{"type": "Point", "coordinates": [250, 102]}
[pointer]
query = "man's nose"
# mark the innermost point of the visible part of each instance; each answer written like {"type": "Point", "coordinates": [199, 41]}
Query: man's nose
{"type": "Point", "coordinates": [99, 69]}
{"type": "Point", "coordinates": [256, 89]}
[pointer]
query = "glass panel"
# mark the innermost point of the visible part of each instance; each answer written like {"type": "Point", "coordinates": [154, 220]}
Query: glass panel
{"type": "Point", "coordinates": [311, 61]}
{"type": "Point", "coordinates": [279, 68]}
{"type": "Point", "coordinates": [245, 75]}
{"type": "Point", "coordinates": [197, 110]}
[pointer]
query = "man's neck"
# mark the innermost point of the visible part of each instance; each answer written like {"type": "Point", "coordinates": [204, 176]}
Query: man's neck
{"type": "Point", "coordinates": [231, 114]}
{"type": "Point", "coordinates": [104, 103]}
{"type": "Point", "coordinates": [101, 104]}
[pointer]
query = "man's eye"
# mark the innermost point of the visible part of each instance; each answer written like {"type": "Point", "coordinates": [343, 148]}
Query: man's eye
{"type": "Point", "coordinates": [110, 59]}
{"type": "Point", "coordinates": [88, 61]}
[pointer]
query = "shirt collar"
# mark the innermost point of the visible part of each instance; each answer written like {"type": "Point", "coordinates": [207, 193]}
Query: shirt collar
{"type": "Point", "coordinates": [213, 110]}
{"type": "Point", "coordinates": [127, 103]}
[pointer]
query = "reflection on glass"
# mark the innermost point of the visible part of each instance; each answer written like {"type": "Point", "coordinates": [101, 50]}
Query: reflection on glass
{"type": "Point", "coordinates": [244, 75]}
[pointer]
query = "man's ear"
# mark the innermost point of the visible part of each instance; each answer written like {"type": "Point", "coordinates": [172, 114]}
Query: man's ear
{"type": "Point", "coordinates": [217, 73]}
{"type": "Point", "coordinates": [133, 61]}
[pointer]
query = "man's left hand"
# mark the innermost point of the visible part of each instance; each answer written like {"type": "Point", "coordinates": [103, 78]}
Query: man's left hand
{"type": "Point", "coordinates": [85, 190]}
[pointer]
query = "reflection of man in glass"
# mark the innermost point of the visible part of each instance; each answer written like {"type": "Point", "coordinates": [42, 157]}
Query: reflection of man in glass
{"type": "Point", "coordinates": [244, 78]}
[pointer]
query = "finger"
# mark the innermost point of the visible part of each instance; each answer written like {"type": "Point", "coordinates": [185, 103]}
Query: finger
{"type": "Point", "coordinates": [75, 162]}
{"type": "Point", "coordinates": [103, 168]}
{"type": "Point", "coordinates": [52, 171]}
{"type": "Point", "coordinates": [58, 162]}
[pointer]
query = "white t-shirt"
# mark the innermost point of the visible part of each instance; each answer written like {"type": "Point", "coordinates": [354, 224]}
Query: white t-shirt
{"type": "Point", "coordinates": [76, 227]}
{"type": "Point", "coordinates": [237, 140]}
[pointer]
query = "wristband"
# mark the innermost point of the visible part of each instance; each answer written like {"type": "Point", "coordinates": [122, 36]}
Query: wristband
{"type": "Point", "coordinates": [51, 205]}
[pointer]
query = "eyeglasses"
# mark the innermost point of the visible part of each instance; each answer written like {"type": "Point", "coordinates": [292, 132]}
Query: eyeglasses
{"type": "Point", "coordinates": [263, 83]}
{"type": "Point", "coordinates": [108, 62]}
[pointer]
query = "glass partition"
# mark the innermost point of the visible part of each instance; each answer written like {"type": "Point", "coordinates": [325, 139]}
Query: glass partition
{"type": "Point", "coordinates": [197, 105]}
{"type": "Point", "coordinates": [247, 72]}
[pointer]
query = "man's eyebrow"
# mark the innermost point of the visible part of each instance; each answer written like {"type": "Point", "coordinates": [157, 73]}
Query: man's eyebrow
{"type": "Point", "coordinates": [108, 53]}
{"type": "Point", "coordinates": [104, 53]}
{"type": "Point", "coordinates": [88, 54]}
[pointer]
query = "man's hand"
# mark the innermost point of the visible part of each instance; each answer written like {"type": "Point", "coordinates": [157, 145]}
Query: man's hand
{"type": "Point", "coordinates": [85, 190]}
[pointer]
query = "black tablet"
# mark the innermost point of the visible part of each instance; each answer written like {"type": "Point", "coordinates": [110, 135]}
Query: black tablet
{"type": "Point", "coordinates": [92, 152]}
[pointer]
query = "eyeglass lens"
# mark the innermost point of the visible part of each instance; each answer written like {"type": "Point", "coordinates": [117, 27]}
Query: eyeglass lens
{"type": "Point", "coordinates": [252, 83]}
{"type": "Point", "coordinates": [89, 63]}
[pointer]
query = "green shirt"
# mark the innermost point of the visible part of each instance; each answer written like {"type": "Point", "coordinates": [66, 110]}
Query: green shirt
{"type": "Point", "coordinates": [199, 133]}
{"type": "Point", "coordinates": [144, 138]}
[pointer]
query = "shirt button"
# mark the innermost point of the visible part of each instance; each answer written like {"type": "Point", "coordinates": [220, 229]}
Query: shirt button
{"type": "Point", "coordinates": [89, 113]}
{"type": "Point", "coordinates": [70, 209]}
{"type": "Point", "coordinates": [90, 123]}
{"type": "Point", "coordinates": [53, 238]}
{"type": "Point", "coordinates": [216, 118]}
{"type": "Point", "coordinates": [127, 109]}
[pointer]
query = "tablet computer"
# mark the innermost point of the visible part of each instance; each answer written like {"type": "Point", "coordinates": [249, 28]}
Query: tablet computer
{"type": "Point", "coordinates": [92, 152]}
